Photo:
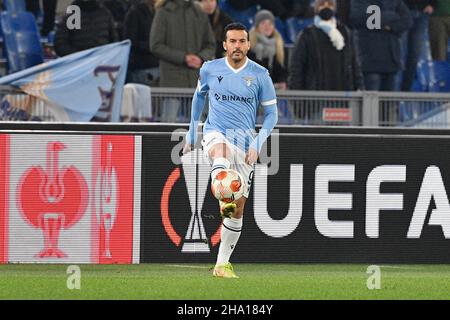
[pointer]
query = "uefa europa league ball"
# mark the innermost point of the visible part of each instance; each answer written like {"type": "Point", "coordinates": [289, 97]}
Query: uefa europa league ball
{"type": "Point", "coordinates": [227, 186]}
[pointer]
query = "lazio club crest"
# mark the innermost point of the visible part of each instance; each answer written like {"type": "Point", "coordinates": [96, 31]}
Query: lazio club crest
{"type": "Point", "coordinates": [249, 80]}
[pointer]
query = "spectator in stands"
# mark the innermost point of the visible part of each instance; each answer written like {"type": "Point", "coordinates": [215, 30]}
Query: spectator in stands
{"type": "Point", "coordinates": [298, 8]}
{"type": "Point", "coordinates": [144, 66]}
{"type": "Point", "coordinates": [49, 11]}
{"type": "Point", "coordinates": [118, 9]}
{"type": "Point", "coordinates": [182, 38]}
{"type": "Point", "coordinates": [277, 7]}
{"type": "Point", "coordinates": [218, 20]}
{"type": "Point", "coordinates": [380, 49]}
{"type": "Point", "coordinates": [343, 11]}
{"type": "Point", "coordinates": [267, 48]}
{"type": "Point", "coordinates": [413, 39]}
{"type": "Point", "coordinates": [280, 8]}
{"type": "Point", "coordinates": [324, 55]}
{"type": "Point", "coordinates": [440, 30]}
{"type": "Point", "coordinates": [97, 28]}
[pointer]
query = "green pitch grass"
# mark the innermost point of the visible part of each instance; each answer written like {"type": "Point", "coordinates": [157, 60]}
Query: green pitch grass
{"type": "Point", "coordinates": [257, 281]}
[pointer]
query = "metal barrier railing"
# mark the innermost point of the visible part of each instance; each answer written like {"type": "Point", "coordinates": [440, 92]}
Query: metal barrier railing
{"type": "Point", "coordinates": [413, 109]}
{"type": "Point", "coordinates": [360, 108]}
{"type": "Point", "coordinates": [16, 105]}
{"type": "Point", "coordinates": [295, 107]}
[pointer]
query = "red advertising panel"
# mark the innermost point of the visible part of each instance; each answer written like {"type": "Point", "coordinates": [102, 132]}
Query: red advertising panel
{"type": "Point", "coordinates": [113, 200]}
{"type": "Point", "coordinates": [71, 198]}
{"type": "Point", "coordinates": [337, 115]}
{"type": "Point", "coordinates": [3, 198]}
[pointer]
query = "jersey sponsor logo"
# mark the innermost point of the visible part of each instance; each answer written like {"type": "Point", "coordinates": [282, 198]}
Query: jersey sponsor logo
{"type": "Point", "coordinates": [224, 97]}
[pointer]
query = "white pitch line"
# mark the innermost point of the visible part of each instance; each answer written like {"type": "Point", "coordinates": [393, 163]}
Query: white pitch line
{"type": "Point", "coordinates": [186, 266]}
{"type": "Point", "coordinates": [402, 267]}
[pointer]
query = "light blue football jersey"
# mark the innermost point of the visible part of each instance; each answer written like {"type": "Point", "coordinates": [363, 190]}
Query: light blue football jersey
{"type": "Point", "coordinates": [234, 98]}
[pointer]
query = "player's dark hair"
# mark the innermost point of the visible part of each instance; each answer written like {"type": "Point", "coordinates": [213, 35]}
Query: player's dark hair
{"type": "Point", "coordinates": [235, 26]}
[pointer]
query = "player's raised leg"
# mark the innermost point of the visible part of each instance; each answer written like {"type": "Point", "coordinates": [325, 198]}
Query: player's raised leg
{"type": "Point", "coordinates": [220, 155]}
{"type": "Point", "coordinates": [229, 234]}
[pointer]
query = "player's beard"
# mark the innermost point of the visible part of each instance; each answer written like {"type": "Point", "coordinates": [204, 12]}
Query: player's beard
{"type": "Point", "coordinates": [234, 57]}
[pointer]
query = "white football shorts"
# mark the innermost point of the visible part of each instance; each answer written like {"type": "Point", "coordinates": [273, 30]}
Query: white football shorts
{"type": "Point", "coordinates": [237, 158]}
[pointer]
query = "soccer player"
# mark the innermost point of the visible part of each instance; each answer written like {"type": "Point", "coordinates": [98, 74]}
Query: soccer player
{"type": "Point", "coordinates": [237, 87]}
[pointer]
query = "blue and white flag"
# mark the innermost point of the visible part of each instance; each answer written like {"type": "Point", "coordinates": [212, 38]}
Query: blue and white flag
{"type": "Point", "coordinates": [80, 86]}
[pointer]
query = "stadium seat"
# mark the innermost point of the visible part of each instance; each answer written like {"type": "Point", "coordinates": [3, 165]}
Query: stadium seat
{"type": "Point", "coordinates": [448, 51]}
{"type": "Point", "coordinates": [51, 38]}
{"type": "Point", "coordinates": [412, 113]}
{"type": "Point", "coordinates": [222, 3]}
{"type": "Point", "coordinates": [280, 25]}
{"type": "Point", "coordinates": [441, 81]}
{"type": "Point", "coordinates": [246, 17]}
{"type": "Point", "coordinates": [425, 76]}
{"type": "Point", "coordinates": [18, 21]}
{"type": "Point", "coordinates": [285, 112]}
{"type": "Point", "coordinates": [14, 5]}
{"type": "Point", "coordinates": [295, 25]}
{"type": "Point", "coordinates": [432, 76]}
{"type": "Point", "coordinates": [21, 39]}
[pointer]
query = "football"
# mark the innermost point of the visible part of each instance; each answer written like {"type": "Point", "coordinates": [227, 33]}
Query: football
{"type": "Point", "coordinates": [227, 186]}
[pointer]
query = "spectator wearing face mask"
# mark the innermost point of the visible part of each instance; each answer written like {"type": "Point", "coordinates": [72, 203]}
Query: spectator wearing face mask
{"type": "Point", "coordinates": [324, 55]}
{"type": "Point", "coordinates": [267, 48]}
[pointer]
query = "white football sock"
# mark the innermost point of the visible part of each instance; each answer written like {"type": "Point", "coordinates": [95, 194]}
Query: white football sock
{"type": "Point", "coordinates": [218, 165]}
{"type": "Point", "coordinates": [230, 233]}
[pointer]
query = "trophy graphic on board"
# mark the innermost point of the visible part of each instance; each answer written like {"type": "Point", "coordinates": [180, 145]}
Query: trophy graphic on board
{"type": "Point", "coordinates": [196, 176]}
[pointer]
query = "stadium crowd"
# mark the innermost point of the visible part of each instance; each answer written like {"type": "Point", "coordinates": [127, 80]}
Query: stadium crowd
{"type": "Point", "coordinates": [334, 50]}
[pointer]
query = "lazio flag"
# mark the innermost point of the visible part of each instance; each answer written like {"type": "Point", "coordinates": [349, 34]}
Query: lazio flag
{"type": "Point", "coordinates": [80, 86]}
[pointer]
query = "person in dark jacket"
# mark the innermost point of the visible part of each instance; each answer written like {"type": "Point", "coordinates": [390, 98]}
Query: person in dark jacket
{"type": "Point", "coordinates": [267, 48]}
{"type": "Point", "coordinates": [49, 10]}
{"type": "Point", "coordinates": [343, 11]}
{"type": "Point", "coordinates": [324, 56]}
{"type": "Point", "coordinates": [218, 20]}
{"type": "Point", "coordinates": [97, 29]}
{"type": "Point", "coordinates": [298, 8]}
{"type": "Point", "coordinates": [380, 48]}
{"type": "Point", "coordinates": [413, 39]}
{"type": "Point", "coordinates": [144, 66]}
{"type": "Point", "coordinates": [118, 9]}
